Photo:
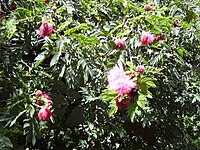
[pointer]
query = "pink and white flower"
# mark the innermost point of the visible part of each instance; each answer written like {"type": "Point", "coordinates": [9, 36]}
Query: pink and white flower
{"type": "Point", "coordinates": [146, 38]}
{"type": "Point", "coordinates": [120, 82]}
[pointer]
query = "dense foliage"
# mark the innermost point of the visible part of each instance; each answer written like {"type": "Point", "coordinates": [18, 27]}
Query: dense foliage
{"type": "Point", "coordinates": [65, 68]}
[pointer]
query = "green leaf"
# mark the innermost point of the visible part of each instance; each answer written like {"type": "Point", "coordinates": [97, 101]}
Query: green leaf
{"type": "Point", "coordinates": [151, 84]}
{"type": "Point", "coordinates": [41, 57]}
{"type": "Point", "coordinates": [132, 110]}
{"type": "Point", "coordinates": [144, 79]}
{"type": "Point", "coordinates": [14, 121]}
{"type": "Point", "coordinates": [60, 45]}
{"type": "Point", "coordinates": [143, 88]}
{"type": "Point", "coordinates": [6, 141]}
{"type": "Point", "coordinates": [26, 125]}
{"type": "Point", "coordinates": [130, 64]}
{"type": "Point", "coordinates": [82, 26]}
{"type": "Point", "coordinates": [11, 27]}
{"type": "Point", "coordinates": [142, 101]}
{"type": "Point", "coordinates": [108, 95]}
{"type": "Point", "coordinates": [31, 111]}
{"type": "Point", "coordinates": [113, 108]}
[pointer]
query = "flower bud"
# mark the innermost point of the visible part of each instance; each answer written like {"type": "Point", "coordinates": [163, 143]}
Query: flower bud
{"type": "Point", "coordinates": [148, 7]}
{"type": "Point", "coordinates": [120, 44]}
{"type": "Point", "coordinates": [13, 6]}
{"type": "Point", "coordinates": [159, 37]}
{"type": "Point", "coordinates": [140, 69]}
{"type": "Point", "coordinates": [46, 1]}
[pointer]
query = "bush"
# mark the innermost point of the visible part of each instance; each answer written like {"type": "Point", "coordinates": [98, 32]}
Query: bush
{"type": "Point", "coordinates": [58, 54]}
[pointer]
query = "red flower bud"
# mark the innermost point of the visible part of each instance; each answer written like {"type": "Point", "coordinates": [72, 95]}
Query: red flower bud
{"type": "Point", "coordinates": [46, 1]}
{"type": "Point", "coordinates": [159, 37]}
{"type": "Point", "coordinates": [120, 44]}
{"type": "Point", "coordinates": [50, 103]}
{"type": "Point", "coordinates": [146, 38]}
{"type": "Point", "coordinates": [140, 69]}
{"type": "Point", "coordinates": [13, 6]}
{"type": "Point", "coordinates": [148, 7]}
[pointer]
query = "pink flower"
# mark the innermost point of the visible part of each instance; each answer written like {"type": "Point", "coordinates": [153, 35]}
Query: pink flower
{"type": "Point", "coordinates": [120, 44]}
{"type": "Point", "coordinates": [44, 114]}
{"type": "Point", "coordinates": [146, 38]}
{"type": "Point", "coordinates": [38, 93]}
{"type": "Point", "coordinates": [159, 37]}
{"type": "Point", "coordinates": [123, 86]}
{"type": "Point", "coordinates": [148, 7]}
{"type": "Point", "coordinates": [45, 29]}
{"type": "Point", "coordinates": [120, 82]}
{"type": "Point", "coordinates": [116, 73]}
{"type": "Point", "coordinates": [46, 96]}
{"type": "Point", "coordinates": [140, 69]}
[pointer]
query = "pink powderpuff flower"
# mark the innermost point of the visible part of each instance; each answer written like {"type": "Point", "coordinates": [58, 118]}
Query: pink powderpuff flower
{"type": "Point", "coordinates": [146, 38]}
{"type": "Point", "coordinates": [120, 82]}
{"type": "Point", "coordinates": [123, 86]}
{"type": "Point", "coordinates": [148, 7]}
{"type": "Point", "coordinates": [44, 114]}
{"type": "Point", "coordinates": [120, 44]}
{"type": "Point", "coordinates": [45, 29]}
{"type": "Point", "coordinates": [159, 37]}
{"type": "Point", "coordinates": [115, 73]}
{"type": "Point", "coordinates": [140, 69]}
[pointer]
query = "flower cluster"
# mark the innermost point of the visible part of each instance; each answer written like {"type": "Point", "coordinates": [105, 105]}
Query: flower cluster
{"type": "Point", "coordinates": [145, 39]}
{"type": "Point", "coordinates": [122, 84]}
{"type": "Point", "coordinates": [43, 101]}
